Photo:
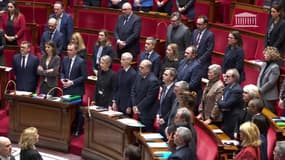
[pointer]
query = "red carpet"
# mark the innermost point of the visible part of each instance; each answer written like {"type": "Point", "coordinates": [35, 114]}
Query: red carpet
{"type": "Point", "coordinates": [76, 144]}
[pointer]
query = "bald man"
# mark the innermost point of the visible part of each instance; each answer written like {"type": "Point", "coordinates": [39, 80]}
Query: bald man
{"type": "Point", "coordinates": [52, 35]}
{"type": "Point", "coordinates": [127, 31]}
{"type": "Point", "coordinates": [5, 149]}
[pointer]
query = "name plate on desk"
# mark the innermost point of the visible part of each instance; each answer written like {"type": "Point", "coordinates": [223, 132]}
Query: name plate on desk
{"type": "Point", "coordinates": [130, 122]}
{"type": "Point", "coordinates": [97, 108]}
{"type": "Point", "coordinates": [111, 113]}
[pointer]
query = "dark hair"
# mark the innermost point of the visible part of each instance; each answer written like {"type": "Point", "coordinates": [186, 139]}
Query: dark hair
{"type": "Point", "coordinates": [205, 18]}
{"type": "Point", "coordinates": [176, 14]}
{"type": "Point", "coordinates": [257, 103]}
{"type": "Point", "coordinates": [261, 123]}
{"type": "Point", "coordinates": [60, 3]}
{"type": "Point", "coordinates": [278, 7]}
{"type": "Point", "coordinates": [51, 43]}
{"type": "Point", "coordinates": [16, 11]}
{"type": "Point", "coordinates": [188, 98]}
{"type": "Point", "coordinates": [132, 152]}
{"type": "Point", "coordinates": [105, 42]}
{"type": "Point", "coordinates": [237, 36]}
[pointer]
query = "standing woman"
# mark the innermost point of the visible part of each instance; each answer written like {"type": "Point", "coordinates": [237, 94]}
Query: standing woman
{"type": "Point", "coordinates": [102, 47]}
{"type": "Point", "coordinates": [171, 58]}
{"type": "Point", "coordinates": [13, 24]}
{"type": "Point", "coordinates": [267, 81]}
{"type": "Point", "coordinates": [48, 68]}
{"type": "Point", "coordinates": [28, 139]}
{"type": "Point", "coordinates": [275, 35]}
{"type": "Point", "coordinates": [250, 142]}
{"type": "Point", "coordinates": [234, 55]}
{"type": "Point", "coordinates": [77, 39]}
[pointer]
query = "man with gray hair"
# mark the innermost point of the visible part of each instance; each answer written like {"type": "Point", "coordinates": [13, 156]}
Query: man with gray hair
{"type": "Point", "coordinates": [279, 150]}
{"type": "Point", "coordinates": [182, 137]}
{"type": "Point", "coordinates": [5, 149]}
{"type": "Point", "coordinates": [231, 102]}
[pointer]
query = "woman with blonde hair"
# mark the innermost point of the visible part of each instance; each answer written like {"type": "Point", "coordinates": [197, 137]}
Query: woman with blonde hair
{"type": "Point", "coordinates": [268, 77]}
{"type": "Point", "coordinates": [250, 142]}
{"type": "Point", "coordinates": [77, 39]}
{"type": "Point", "coordinates": [28, 139]}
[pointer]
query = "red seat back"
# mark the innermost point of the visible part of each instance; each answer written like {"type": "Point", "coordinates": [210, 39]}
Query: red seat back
{"type": "Point", "coordinates": [207, 149]}
{"type": "Point", "coordinates": [259, 49]}
{"type": "Point", "coordinates": [220, 39]}
{"type": "Point", "coordinates": [90, 19]}
{"type": "Point", "coordinates": [161, 30]}
{"type": "Point", "coordinates": [251, 75]}
{"type": "Point", "coordinates": [89, 93]}
{"type": "Point", "coordinates": [249, 46]}
{"type": "Point", "coordinates": [204, 8]}
{"type": "Point", "coordinates": [148, 26]}
{"type": "Point", "coordinates": [271, 140]}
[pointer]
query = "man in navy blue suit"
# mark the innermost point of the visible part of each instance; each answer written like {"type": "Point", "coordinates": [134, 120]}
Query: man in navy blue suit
{"type": "Point", "coordinates": [144, 95]}
{"type": "Point", "coordinates": [127, 31]}
{"type": "Point", "coordinates": [203, 39]}
{"type": "Point", "coordinates": [25, 68]}
{"type": "Point", "coordinates": [190, 70]}
{"type": "Point", "coordinates": [151, 55]}
{"type": "Point", "coordinates": [52, 35]}
{"type": "Point", "coordinates": [73, 76]}
{"type": "Point", "coordinates": [167, 97]}
{"type": "Point", "coordinates": [64, 22]}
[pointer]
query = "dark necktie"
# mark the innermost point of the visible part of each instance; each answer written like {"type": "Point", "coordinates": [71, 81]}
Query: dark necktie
{"type": "Point", "coordinates": [23, 61]}
{"type": "Point", "coordinates": [146, 55]}
{"type": "Point", "coordinates": [69, 68]}
{"type": "Point", "coordinates": [163, 94]}
{"type": "Point", "coordinates": [198, 39]}
{"type": "Point", "coordinates": [50, 36]}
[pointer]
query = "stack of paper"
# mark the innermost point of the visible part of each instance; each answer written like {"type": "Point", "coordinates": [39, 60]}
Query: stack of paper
{"type": "Point", "coordinates": [151, 136]}
{"type": "Point", "coordinates": [157, 144]}
{"type": "Point", "coordinates": [162, 154]}
{"type": "Point", "coordinates": [217, 131]}
{"type": "Point", "coordinates": [230, 142]}
{"type": "Point", "coordinates": [111, 113]}
{"type": "Point", "coordinates": [97, 108]}
{"type": "Point", "coordinates": [131, 122]}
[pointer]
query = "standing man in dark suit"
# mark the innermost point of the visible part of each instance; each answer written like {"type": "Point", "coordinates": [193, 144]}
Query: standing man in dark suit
{"type": "Point", "coordinates": [190, 70]}
{"type": "Point", "coordinates": [52, 35]}
{"type": "Point", "coordinates": [151, 55]}
{"type": "Point", "coordinates": [64, 22]}
{"type": "Point", "coordinates": [5, 149]}
{"type": "Point", "coordinates": [127, 31]}
{"type": "Point", "coordinates": [144, 95]}
{"type": "Point", "coordinates": [231, 102]}
{"type": "Point", "coordinates": [126, 78]}
{"type": "Point", "coordinates": [167, 97]}
{"type": "Point", "coordinates": [178, 33]}
{"type": "Point", "coordinates": [182, 137]}
{"type": "Point", "coordinates": [203, 39]}
{"type": "Point", "coordinates": [25, 68]}
{"type": "Point", "coordinates": [73, 75]}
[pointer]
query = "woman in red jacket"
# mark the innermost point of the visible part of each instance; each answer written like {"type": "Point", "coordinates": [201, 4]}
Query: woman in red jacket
{"type": "Point", "coordinates": [14, 24]}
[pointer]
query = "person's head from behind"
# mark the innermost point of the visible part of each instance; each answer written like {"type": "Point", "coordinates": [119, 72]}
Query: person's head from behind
{"type": "Point", "coordinates": [187, 99]}
{"type": "Point", "coordinates": [255, 106]}
{"type": "Point", "coordinates": [5, 147]}
{"type": "Point", "coordinates": [132, 153]}
{"type": "Point", "coordinates": [249, 135]}
{"type": "Point", "coordinates": [279, 150]}
{"type": "Point", "coordinates": [182, 136]}
{"type": "Point", "coordinates": [29, 138]}
{"type": "Point", "coordinates": [261, 122]}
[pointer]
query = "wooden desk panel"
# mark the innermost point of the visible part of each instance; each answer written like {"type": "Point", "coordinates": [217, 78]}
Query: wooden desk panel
{"type": "Point", "coordinates": [52, 119]}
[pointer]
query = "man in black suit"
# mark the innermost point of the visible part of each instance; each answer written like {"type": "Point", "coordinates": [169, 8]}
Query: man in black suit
{"type": "Point", "coordinates": [151, 55]}
{"type": "Point", "coordinates": [178, 33]}
{"type": "Point", "coordinates": [231, 102]}
{"type": "Point", "coordinates": [52, 35]}
{"type": "Point", "coordinates": [167, 97]}
{"type": "Point", "coordinates": [73, 76]}
{"type": "Point", "coordinates": [126, 78]}
{"type": "Point", "coordinates": [144, 95]}
{"type": "Point", "coordinates": [127, 31]}
{"type": "Point", "coordinates": [182, 137]}
{"type": "Point", "coordinates": [5, 148]}
{"type": "Point", "coordinates": [25, 68]}
{"type": "Point", "coordinates": [203, 39]}
{"type": "Point", "coordinates": [64, 22]}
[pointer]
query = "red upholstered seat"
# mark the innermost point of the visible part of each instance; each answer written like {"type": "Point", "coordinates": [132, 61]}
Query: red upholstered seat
{"type": "Point", "coordinates": [161, 30]}
{"type": "Point", "coordinates": [35, 13]}
{"type": "Point", "coordinates": [220, 39]}
{"type": "Point", "coordinates": [90, 19]}
{"type": "Point", "coordinates": [148, 26]}
{"type": "Point", "coordinates": [217, 59]}
{"type": "Point", "coordinates": [116, 67]}
{"type": "Point", "coordinates": [8, 56]}
{"type": "Point", "coordinates": [207, 149]}
{"type": "Point", "coordinates": [251, 75]}
{"type": "Point", "coordinates": [249, 46]}
{"type": "Point", "coordinates": [271, 140]}
{"type": "Point", "coordinates": [204, 8]}
{"type": "Point", "coordinates": [110, 21]}
{"type": "Point", "coordinates": [89, 93]}
{"type": "Point", "coordinates": [259, 49]}
{"type": "Point", "coordinates": [89, 66]}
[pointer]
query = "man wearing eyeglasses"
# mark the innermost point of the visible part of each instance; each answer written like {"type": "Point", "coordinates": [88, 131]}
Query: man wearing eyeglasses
{"type": "Point", "coordinates": [203, 40]}
{"type": "Point", "coordinates": [127, 31]}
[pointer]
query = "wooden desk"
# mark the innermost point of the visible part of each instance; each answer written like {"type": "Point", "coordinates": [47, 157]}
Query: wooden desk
{"type": "Point", "coordinates": [104, 137]}
{"type": "Point", "coordinates": [280, 131]}
{"type": "Point", "coordinates": [3, 81]}
{"type": "Point", "coordinates": [52, 119]}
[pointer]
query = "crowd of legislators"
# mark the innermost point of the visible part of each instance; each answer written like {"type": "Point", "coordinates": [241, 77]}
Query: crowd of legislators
{"type": "Point", "coordinates": [166, 95]}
